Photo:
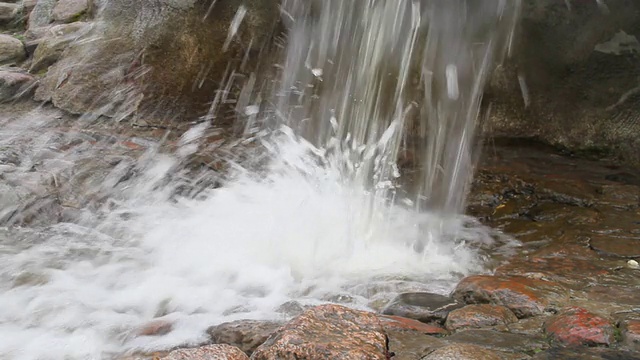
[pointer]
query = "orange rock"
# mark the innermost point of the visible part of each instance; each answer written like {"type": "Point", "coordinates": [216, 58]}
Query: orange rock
{"type": "Point", "coordinates": [328, 332]}
{"type": "Point", "coordinates": [577, 326]}
{"type": "Point", "coordinates": [524, 296]}
{"type": "Point", "coordinates": [155, 328]}
{"type": "Point", "coordinates": [479, 316]}
{"type": "Point", "coordinates": [631, 333]}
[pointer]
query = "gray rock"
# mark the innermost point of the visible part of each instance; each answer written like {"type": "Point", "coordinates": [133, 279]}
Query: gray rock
{"type": "Point", "coordinates": [247, 335]}
{"type": "Point", "coordinates": [425, 307]}
{"type": "Point", "coordinates": [15, 84]}
{"type": "Point", "coordinates": [70, 10]}
{"type": "Point", "coordinates": [11, 50]}
{"type": "Point", "coordinates": [54, 42]}
{"type": "Point", "coordinates": [42, 14]}
{"type": "Point", "coordinates": [9, 13]}
{"type": "Point", "coordinates": [462, 351]}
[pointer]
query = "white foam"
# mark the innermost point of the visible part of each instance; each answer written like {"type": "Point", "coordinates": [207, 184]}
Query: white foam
{"type": "Point", "coordinates": [297, 231]}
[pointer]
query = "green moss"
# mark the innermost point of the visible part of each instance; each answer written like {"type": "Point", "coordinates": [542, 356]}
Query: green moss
{"type": "Point", "coordinates": [617, 334]}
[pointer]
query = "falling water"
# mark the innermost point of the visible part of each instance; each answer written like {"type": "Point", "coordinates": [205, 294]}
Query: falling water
{"type": "Point", "coordinates": [322, 213]}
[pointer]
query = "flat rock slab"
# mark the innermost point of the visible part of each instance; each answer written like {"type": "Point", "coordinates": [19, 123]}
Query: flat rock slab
{"type": "Point", "coordinates": [569, 271]}
{"type": "Point", "coordinates": [576, 326]}
{"type": "Point", "coordinates": [500, 341]}
{"type": "Point", "coordinates": [398, 323]}
{"type": "Point", "coordinates": [246, 335]}
{"type": "Point", "coordinates": [209, 352]}
{"type": "Point", "coordinates": [525, 297]}
{"type": "Point", "coordinates": [616, 246]}
{"type": "Point", "coordinates": [479, 316]}
{"type": "Point", "coordinates": [327, 332]}
{"type": "Point", "coordinates": [586, 354]}
{"type": "Point", "coordinates": [425, 307]}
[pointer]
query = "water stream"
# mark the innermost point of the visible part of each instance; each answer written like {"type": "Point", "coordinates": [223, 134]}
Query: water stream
{"type": "Point", "coordinates": [100, 240]}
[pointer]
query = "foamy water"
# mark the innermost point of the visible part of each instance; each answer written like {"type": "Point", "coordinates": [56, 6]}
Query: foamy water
{"type": "Point", "coordinates": [298, 230]}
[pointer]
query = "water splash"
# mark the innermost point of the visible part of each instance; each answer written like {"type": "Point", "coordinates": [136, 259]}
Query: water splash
{"type": "Point", "coordinates": [320, 212]}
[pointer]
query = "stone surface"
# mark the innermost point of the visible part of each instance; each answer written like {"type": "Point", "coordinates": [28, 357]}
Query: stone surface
{"type": "Point", "coordinates": [412, 345]}
{"type": "Point", "coordinates": [425, 307]}
{"type": "Point", "coordinates": [55, 41]}
{"type": "Point", "coordinates": [398, 323]}
{"type": "Point", "coordinates": [155, 328]}
{"type": "Point", "coordinates": [577, 326]}
{"type": "Point", "coordinates": [479, 316]}
{"type": "Point", "coordinates": [630, 329]}
{"type": "Point", "coordinates": [11, 50]}
{"type": "Point", "coordinates": [558, 56]}
{"type": "Point", "coordinates": [327, 332]}
{"type": "Point", "coordinates": [160, 59]}
{"type": "Point", "coordinates": [15, 84]}
{"type": "Point", "coordinates": [42, 14]}
{"type": "Point", "coordinates": [586, 354]}
{"type": "Point", "coordinates": [9, 13]}
{"type": "Point", "coordinates": [501, 341]}
{"type": "Point", "coordinates": [247, 335]}
{"type": "Point", "coordinates": [462, 351]}
{"type": "Point", "coordinates": [525, 297]}
{"type": "Point", "coordinates": [564, 270]}
{"type": "Point", "coordinates": [70, 10]}
{"type": "Point", "coordinates": [616, 246]}
{"type": "Point", "coordinates": [209, 352]}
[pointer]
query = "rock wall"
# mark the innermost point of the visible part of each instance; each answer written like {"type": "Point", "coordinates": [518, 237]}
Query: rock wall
{"type": "Point", "coordinates": [574, 80]}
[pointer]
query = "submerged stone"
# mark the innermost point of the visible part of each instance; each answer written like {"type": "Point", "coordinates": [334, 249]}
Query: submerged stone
{"type": "Point", "coordinates": [501, 341]}
{"type": "Point", "coordinates": [247, 335]}
{"type": "Point", "coordinates": [70, 10]}
{"type": "Point", "coordinates": [412, 345]}
{"type": "Point", "coordinates": [327, 332]}
{"type": "Point", "coordinates": [15, 84]}
{"type": "Point", "coordinates": [479, 316]}
{"type": "Point", "coordinates": [463, 351]}
{"type": "Point", "coordinates": [209, 352]}
{"type": "Point", "coordinates": [616, 246]}
{"type": "Point", "coordinates": [12, 50]}
{"type": "Point", "coordinates": [425, 307]}
{"type": "Point", "coordinates": [577, 326]}
{"type": "Point", "coordinates": [525, 297]}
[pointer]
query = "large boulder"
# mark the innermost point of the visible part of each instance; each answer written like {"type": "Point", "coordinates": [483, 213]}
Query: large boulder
{"type": "Point", "coordinates": [574, 79]}
{"type": "Point", "coordinates": [160, 58]}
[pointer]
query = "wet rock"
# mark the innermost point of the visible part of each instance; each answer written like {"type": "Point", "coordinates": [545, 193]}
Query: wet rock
{"type": "Point", "coordinates": [9, 13]}
{"type": "Point", "coordinates": [425, 307]}
{"type": "Point", "coordinates": [327, 332]}
{"type": "Point", "coordinates": [479, 316]}
{"type": "Point", "coordinates": [209, 352]}
{"type": "Point", "coordinates": [565, 270]}
{"type": "Point", "coordinates": [11, 50]}
{"type": "Point", "coordinates": [463, 351]}
{"type": "Point", "coordinates": [67, 11]}
{"type": "Point", "coordinates": [630, 331]}
{"type": "Point", "coordinates": [586, 354]}
{"type": "Point", "coordinates": [619, 294]}
{"type": "Point", "coordinates": [530, 326]}
{"type": "Point", "coordinates": [616, 246]}
{"type": "Point", "coordinates": [246, 335]}
{"type": "Point", "coordinates": [500, 341]}
{"type": "Point", "coordinates": [55, 42]}
{"type": "Point", "coordinates": [620, 196]}
{"type": "Point", "coordinates": [15, 84]}
{"type": "Point", "coordinates": [525, 297]}
{"type": "Point", "coordinates": [291, 308]}
{"type": "Point", "coordinates": [398, 323]}
{"type": "Point", "coordinates": [412, 345]}
{"type": "Point", "coordinates": [576, 193]}
{"type": "Point", "coordinates": [42, 14]}
{"type": "Point", "coordinates": [577, 326]}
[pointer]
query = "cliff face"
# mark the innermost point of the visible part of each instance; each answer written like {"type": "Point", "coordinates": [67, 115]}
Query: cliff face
{"type": "Point", "coordinates": [575, 78]}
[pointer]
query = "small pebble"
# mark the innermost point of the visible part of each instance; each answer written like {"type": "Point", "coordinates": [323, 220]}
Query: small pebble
{"type": "Point", "coordinates": [633, 264]}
